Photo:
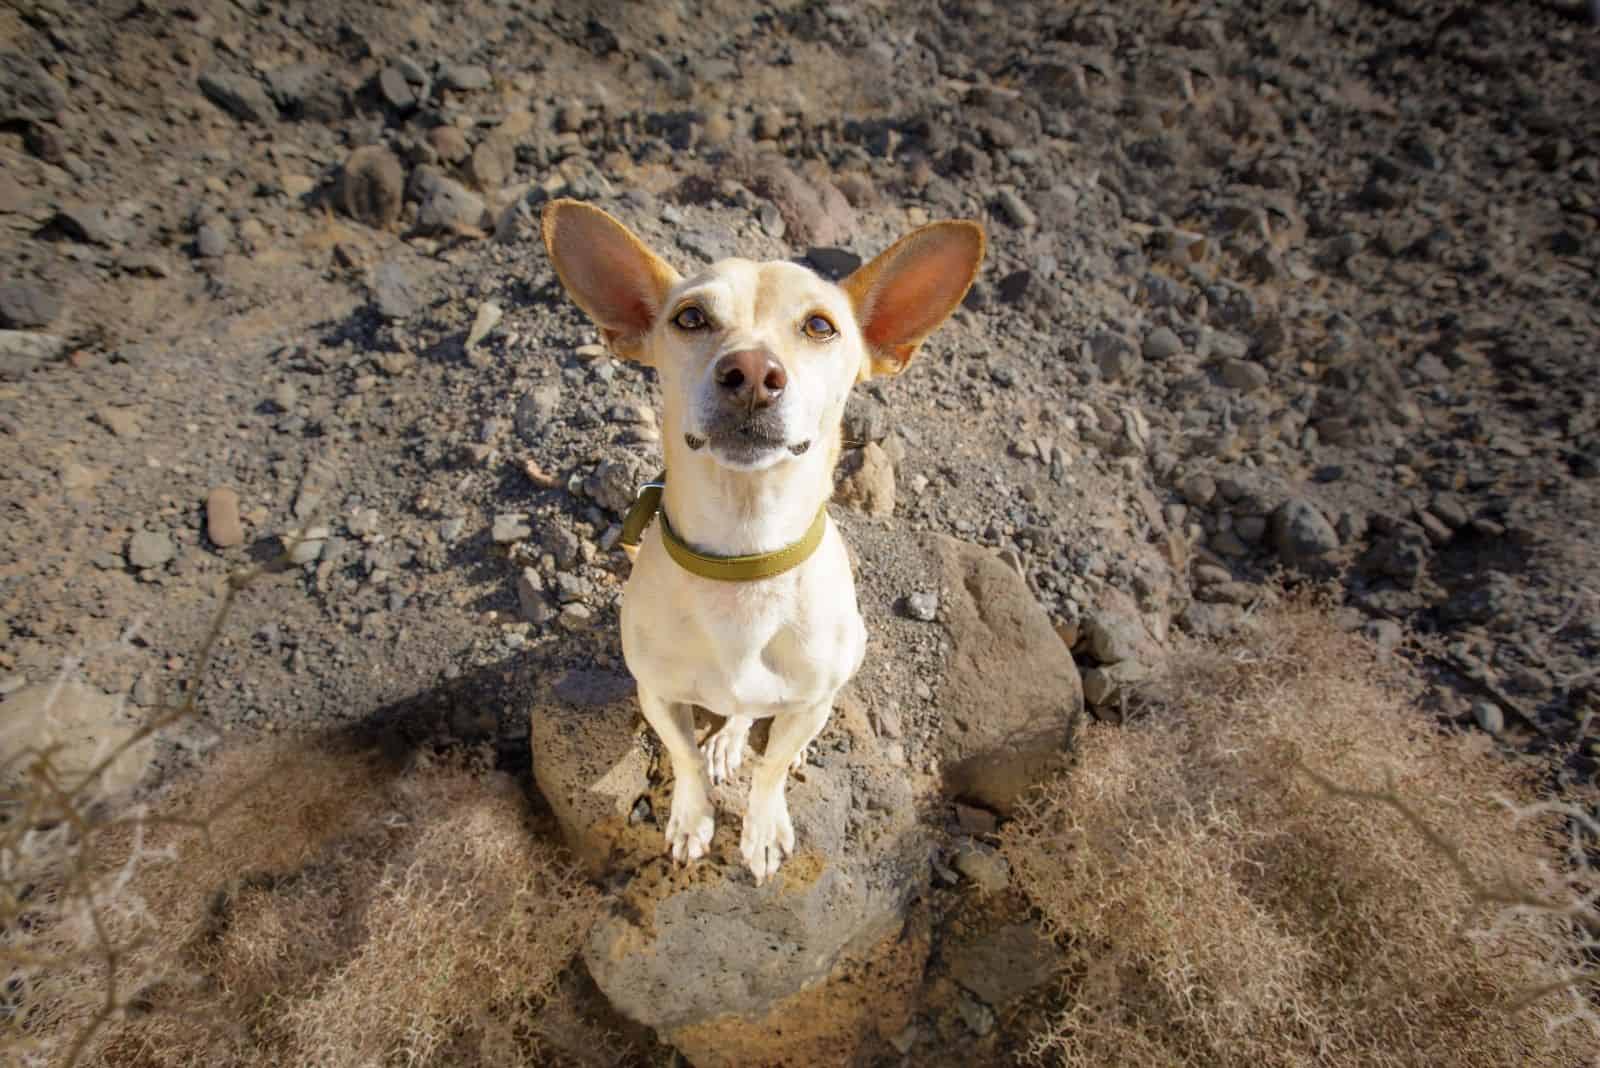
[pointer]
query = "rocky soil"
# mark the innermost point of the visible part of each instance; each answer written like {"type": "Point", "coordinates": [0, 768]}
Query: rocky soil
{"type": "Point", "coordinates": [1299, 290]}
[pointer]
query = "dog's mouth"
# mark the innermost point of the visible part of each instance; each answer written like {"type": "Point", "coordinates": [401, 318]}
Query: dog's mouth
{"type": "Point", "coordinates": [750, 442]}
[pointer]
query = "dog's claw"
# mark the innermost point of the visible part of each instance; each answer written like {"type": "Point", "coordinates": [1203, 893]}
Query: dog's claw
{"type": "Point", "coordinates": [768, 837]}
{"type": "Point", "coordinates": [799, 760]}
{"type": "Point", "coordinates": [689, 828]}
{"type": "Point", "coordinates": [724, 750]}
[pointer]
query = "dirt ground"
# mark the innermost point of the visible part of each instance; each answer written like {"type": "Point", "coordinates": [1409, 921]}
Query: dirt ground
{"type": "Point", "coordinates": [1302, 290]}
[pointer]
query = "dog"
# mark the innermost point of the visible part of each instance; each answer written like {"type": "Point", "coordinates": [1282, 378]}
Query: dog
{"type": "Point", "coordinates": [741, 599]}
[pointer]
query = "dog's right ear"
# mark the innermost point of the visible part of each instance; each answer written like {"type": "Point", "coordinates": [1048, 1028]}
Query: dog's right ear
{"type": "Point", "coordinates": [608, 272]}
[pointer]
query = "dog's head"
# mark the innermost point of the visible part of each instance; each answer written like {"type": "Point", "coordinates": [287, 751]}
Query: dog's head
{"type": "Point", "coordinates": [756, 359]}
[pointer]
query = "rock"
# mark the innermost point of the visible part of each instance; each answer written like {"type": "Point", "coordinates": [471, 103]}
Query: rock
{"type": "Point", "coordinates": [309, 91]}
{"type": "Point", "coordinates": [81, 726]}
{"type": "Point", "coordinates": [1208, 620]}
{"type": "Point", "coordinates": [27, 91]}
{"type": "Point", "coordinates": [1001, 730]}
{"type": "Point", "coordinates": [465, 77]}
{"type": "Point", "coordinates": [1114, 356]}
{"type": "Point", "coordinates": [983, 866]}
{"type": "Point", "coordinates": [372, 187]}
{"type": "Point", "coordinates": [1301, 533]}
{"type": "Point", "coordinates": [449, 144]}
{"type": "Point", "coordinates": [450, 207]}
{"type": "Point", "coordinates": [27, 306]}
{"type": "Point", "coordinates": [397, 90]}
{"type": "Point", "coordinates": [816, 215]}
{"type": "Point", "coordinates": [866, 419]}
{"type": "Point", "coordinates": [1386, 634]}
{"type": "Point", "coordinates": [149, 549]}
{"type": "Point", "coordinates": [1004, 964]}
{"type": "Point", "coordinates": [486, 319]}
{"type": "Point", "coordinates": [22, 351]}
{"type": "Point", "coordinates": [978, 1017]}
{"type": "Point", "coordinates": [833, 264]}
{"type": "Point", "coordinates": [211, 241]}
{"type": "Point", "coordinates": [923, 606]}
{"type": "Point", "coordinates": [239, 95]}
{"type": "Point", "coordinates": [120, 421]}
{"type": "Point", "coordinates": [1246, 376]}
{"type": "Point", "coordinates": [613, 486]}
{"type": "Point", "coordinates": [1162, 343]}
{"type": "Point", "coordinates": [493, 162]}
{"type": "Point", "coordinates": [689, 948]}
{"type": "Point", "coordinates": [868, 482]}
{"type": "Point", "coordinates": [396, 291]}
{"type": "Point", "coordinates": [1115, 637]}
{"type": "Point", "coordinates": [1198, 490]}
{"type": "Point", "coordinates": [510, 527]}
{"type": "Point", "coordinates": [531, 599]}
{"type": "Point", "coordinates": [86, 223]}
{"type": "Point", "coordinates": [535, 410]}
{"type": "Point", "coordinates": [1105, 685]}
{"type": "Point", "coordinates": [222, 518]}
{"type": "Point", "coordinates": [1488, 716]}
{"type": "Point", "coordinates": [1016, 210]}
{"type": "Point", "coordinates": [973, 820]}
{"type": "Point", "coordinates": [561, 543]}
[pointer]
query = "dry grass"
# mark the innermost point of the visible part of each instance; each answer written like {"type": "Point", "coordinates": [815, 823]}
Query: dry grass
{"type": "Point", "coordinates": [1284, 864]}
{"type": "Point", "coordinates": [340, 914]}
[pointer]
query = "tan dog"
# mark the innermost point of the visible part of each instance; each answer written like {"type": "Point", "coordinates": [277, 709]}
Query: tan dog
{"type": "Point", "coordinates": [755, 362]}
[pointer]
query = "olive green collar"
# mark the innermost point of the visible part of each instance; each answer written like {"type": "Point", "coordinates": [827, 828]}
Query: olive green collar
{"type": "Point", "coordinates": [722, 568]}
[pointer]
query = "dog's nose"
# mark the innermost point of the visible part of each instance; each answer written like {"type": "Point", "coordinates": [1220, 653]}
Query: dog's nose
{"type": "Point", "coordinates": [751, 377]}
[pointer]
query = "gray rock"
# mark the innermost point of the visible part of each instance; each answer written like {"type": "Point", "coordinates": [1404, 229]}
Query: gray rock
{"type": "Point", "coordinates": [86, 223]}
{"type": "Point", "coordinates": [309, 91]}
{"type": "Point", "coordinates": [372, 186]}
{"type": "Point", "coordinates": [396, 90]}
{"type": "Point", "coordinates": [978, 1017]}
{"type": "Point", "coordinates": [27, 91]}
{"type": "Point", "coordinates": [1114, 356]}
{"type": "Point", "coordinates": [531, 599]}
{"type": "Point", "coordinates": [80, 726]}
{"type": "Point", "coordinates": [612, 486]}
{"type": "Point", "coordinates": [683, 947]}
{"type": "Point", "coordinates": [1246, 376]}
{"type": "Point", "coordinates": [1106, 684]}
{"type": "Point", "coordinates": [1016, 210]}
{"type": "Point", "coordinates": [150, 548]}
{"type": "Point", "coordinates": [1162, 343]}
{"type": "Point", "coordinates": [1113, 637]}
{"type": "Point", "coordinates": [831, 263]}
{"type": "Point", "coordinates": [509, 527]}
{"type": "Point", "coordinates": [28, 306]}
{"type": "Point", "coordinates": [1301, 533]}
{"type": "Point", "coordinates": [465, 77]}
{"type": "Point", "coordinates": [923, 606]}
{"type": "Point", "coordinates": [1198, 490]}
{"type": "Point", "coordinates": [396, 291]}
{"type": "Point", "coordinates": [450, 207]}
{"type": "Point", "coordinates": [865, 419]}
{"type": "Point", "coordinates": [211, 241]}
{"type": "Point", "coordinates": [239, 95]}
{"type": "Point", "coordinates": [1002, 730]}
{"type": "Point", "coordinates": [561, 543]}
{"type": "Point", "coordinates": [1488, 716]}
{"type": "Point", "coordinates": [1004, 964]}
{"type": "Point", "coordinates": [535, 410]}
{"type": "Point", "coordinates": [1386, 634]}
{"type": "Point", "coordinates": [983, 866]}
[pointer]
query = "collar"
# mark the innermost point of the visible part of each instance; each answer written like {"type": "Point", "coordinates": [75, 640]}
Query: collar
{"type": "Point", "coordinates": [722, 568]}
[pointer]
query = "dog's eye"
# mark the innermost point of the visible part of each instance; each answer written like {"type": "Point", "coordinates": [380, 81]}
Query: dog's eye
{"type": "Point", "coordinates": [818, 328]}
{"type": "Point", "coordinates": [690, 317]}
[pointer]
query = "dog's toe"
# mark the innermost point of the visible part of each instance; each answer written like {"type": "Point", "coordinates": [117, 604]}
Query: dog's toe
{"type": "Point", "coordinates": [724, 753]}
{"type": "Point", "coordinates": [768, 837]}
{"type": "Point", "coordinates": [689, 831]}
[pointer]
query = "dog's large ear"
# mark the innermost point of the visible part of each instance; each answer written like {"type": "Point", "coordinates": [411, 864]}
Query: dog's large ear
{"type": "Point", "coordinates": [904, 294]}
{"type": "Point", "coordinates": [608, 272]}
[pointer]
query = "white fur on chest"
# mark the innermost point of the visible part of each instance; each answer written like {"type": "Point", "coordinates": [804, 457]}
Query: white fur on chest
{"type": "Point", "coordinates": [743, 648]}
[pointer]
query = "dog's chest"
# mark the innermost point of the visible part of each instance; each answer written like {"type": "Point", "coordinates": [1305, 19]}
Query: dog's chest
{"type": "Point", "coordinates": [742, 648]}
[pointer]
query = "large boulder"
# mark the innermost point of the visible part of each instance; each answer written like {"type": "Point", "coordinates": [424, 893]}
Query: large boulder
{"type": "Point", "coordinates": [1010, 697]}
{"type": "Point", "coordinates": [701, 951]}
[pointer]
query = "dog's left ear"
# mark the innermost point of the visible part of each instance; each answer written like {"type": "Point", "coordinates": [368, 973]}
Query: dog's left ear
{"type": "Point", "coordinates": [904, 294]}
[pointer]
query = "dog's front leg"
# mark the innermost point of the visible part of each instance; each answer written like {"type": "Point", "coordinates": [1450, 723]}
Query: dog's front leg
{"type": "Point", "coordinates": [692, 821]}
{"type": "Point", "coordinates": [768, 834]}
{"type": "Point", "coordinates": [724, 750]}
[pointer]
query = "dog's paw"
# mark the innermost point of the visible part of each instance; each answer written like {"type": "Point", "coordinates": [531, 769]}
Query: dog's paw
{"type": "Point", "coordinates": [724, 750]}
{"type": "Point", "coordinates": [799, 760]}
{"type": "Point", "coordinates": [690, 827]}
{"type": "Point", "coordinates": [768, 836]}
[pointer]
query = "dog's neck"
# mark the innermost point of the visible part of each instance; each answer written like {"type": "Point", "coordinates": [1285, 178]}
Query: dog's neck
{"type": "Point", "coordinates": [722, 512]}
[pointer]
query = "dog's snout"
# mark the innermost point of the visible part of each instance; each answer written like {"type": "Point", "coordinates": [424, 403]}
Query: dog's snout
{"type": "Point", "coordinates": [751, 377]}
